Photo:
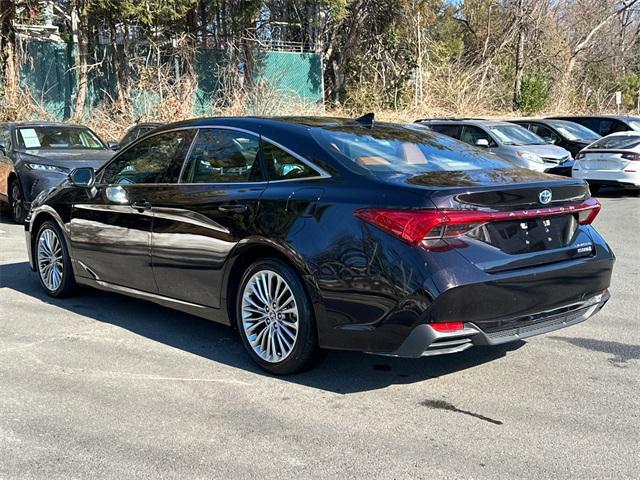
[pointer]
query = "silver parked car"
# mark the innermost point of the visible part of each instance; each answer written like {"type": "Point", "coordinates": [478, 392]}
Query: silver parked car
{"type": "Point", "coordinates": [507, 140]}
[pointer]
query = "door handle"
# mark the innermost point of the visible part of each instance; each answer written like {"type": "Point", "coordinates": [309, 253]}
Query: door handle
{"type": "Point", "coordinates": [233, 208]}
{"type": "Point", "coordinates": [141, 206]}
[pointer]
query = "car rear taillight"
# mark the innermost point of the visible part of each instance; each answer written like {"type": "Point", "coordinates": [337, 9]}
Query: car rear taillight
{"type": "Point", "coordinates": [631, 156]}
{"type": "Point", "coordinates": [429, 226]}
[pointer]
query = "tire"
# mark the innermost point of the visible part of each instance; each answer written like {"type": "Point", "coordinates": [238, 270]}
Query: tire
{"type": "Point", "coordinates": [290, 325]}
{"type": "Point", "coordinates": [57, 280]}
{"type": "Point", "coordinates": [16, 201]}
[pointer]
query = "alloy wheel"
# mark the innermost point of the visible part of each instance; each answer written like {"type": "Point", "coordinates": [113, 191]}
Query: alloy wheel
{"type": "Point", "coordinates": [270, 316]}
{"type": "Point", "coordinates": [50, 259]}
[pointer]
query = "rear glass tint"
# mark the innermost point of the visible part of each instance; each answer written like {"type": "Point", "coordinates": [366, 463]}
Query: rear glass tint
{"type": "Point", "coordinates": [616, 142]}
{"type": "Point", "coordinates": [403, 148]}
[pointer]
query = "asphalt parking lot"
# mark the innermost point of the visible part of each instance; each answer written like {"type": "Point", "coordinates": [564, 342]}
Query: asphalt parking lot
{"type": "Point", "coordinates": [100, 385]}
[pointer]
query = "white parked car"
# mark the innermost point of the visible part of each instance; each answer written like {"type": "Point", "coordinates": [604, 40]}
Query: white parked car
{"type": "Point", "coordinates": [612, 160]}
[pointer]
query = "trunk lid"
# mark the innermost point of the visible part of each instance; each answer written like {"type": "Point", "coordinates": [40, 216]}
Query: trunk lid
{"type": "Point", "coordinates": [533, 218]}
{"type": "Point", "coordinates": [608, 160]}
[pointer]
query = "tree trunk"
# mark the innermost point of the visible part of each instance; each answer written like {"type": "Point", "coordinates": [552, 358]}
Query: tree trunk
{"type": "Point", "coordinates": [517, 85]}
{"type": "Point", "coordinates": [79, 25]}
{"type": "Point", "coordinates": [7, 36]}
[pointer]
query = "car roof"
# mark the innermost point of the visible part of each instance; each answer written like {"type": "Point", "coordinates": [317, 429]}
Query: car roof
{"type": "Point", "coordinates": [283, 123]}
{"type": "Point", "coordinates": [465, 121]}
{"type": "Point", "coordinates": [613, 117]}
{"type": "Point", "coordinates": [626, 133]}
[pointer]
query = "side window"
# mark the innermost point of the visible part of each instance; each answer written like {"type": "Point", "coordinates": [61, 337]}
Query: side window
{"type": "Point", "coordinates": [449, 130]}
{"type": "Point", "coordinates": [471, 134]}
{"type": "Point", "coordinates": [544, 132]}
{"type": "Point", "coordinates": [594, 124]}
{"type": "Point", "coordinates": [223, 156]}
{"type": "Point", "coordinates": [619, 126]}
{"type": "Point", "coordinates": [148, 161]}
{"type": "Point", "coordinates": [281, 165]}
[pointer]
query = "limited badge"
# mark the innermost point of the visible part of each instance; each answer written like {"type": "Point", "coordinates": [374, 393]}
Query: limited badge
{"type": "Point", "coordinates": [545, 196]}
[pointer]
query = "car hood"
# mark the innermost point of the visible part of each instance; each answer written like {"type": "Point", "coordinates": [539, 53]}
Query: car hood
{"type": "Point", "coordinates": [547, 151]}
{"type": "Point", "coordinates": [67, 158]}
{"type": "Point", "coordinates": [474, 178]}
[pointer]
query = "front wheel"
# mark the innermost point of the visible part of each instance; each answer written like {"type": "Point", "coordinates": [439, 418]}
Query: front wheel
{"type": "Point", "coordinates": [17, 202]}
{"type": "Point", "coordinates": [53, 263]}
{"type": "Point", "coordinates": [275, 318]}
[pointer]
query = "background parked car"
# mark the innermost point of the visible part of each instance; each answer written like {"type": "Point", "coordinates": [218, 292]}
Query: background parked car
{"type": "Point", "coordinates": [605, 124]}
{"type": "Point", "coordinates": [35, 156]}
{"type": "Point", "coordinates": [507, 140]}
{"type": "Point", "coordinates": [136, 131]}
{"type": "Point", "coordinates": [612, 160]}
{"type": "Point", "coordinates": [569, 135]}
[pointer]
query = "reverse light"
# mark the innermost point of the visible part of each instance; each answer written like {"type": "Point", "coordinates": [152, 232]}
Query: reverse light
{"type": "Point", "coordinates": [429, 226]}
{"type": "Point", "coordinates": [45, 168]}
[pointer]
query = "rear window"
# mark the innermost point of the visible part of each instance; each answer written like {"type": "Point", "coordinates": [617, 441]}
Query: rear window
{"type": "Point", "coordinates": [407, 149]}
{"type": "Point", "coordinates": [616, 142]}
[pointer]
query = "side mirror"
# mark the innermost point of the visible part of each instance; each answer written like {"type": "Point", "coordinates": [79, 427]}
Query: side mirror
{"type": "Point", "coordinates": [3, 150]}
{"type": "Point", "coordinates": [82, 177]}
{"type": "Point", "coordinates": [550, 140]}
{"type": "Point", "coordinates": [115, 146]}
{"type": "Point", "coordinates": [482, 142]}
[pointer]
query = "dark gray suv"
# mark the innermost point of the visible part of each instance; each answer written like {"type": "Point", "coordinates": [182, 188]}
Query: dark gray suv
{"type": "Point", "coordinates": [35, 156]}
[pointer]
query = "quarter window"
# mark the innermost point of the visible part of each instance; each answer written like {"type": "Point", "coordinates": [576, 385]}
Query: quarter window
{"type": "Point", "coordinates": [281, 165]}
{"type": "Point", "coordinates": [149, 160]}
{"type": "Point", "coordinates": [223, 156]}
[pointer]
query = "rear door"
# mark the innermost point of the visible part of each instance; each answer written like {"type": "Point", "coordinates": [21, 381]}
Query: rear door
{"type": "Point", "coordinates": [200, 218]}
{"type": "Point", "coordinates": [110, 229]}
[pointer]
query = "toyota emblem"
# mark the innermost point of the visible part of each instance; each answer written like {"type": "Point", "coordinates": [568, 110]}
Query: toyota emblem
{"type": "Point", "coordinates": [545, 196]}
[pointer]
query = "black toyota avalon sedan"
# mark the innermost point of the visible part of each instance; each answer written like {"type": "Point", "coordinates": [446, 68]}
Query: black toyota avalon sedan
{"type": "Point", "coordinates": [320, 233]}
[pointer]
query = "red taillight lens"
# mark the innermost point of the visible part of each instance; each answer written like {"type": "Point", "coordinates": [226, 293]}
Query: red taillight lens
{"type": "Point", "coordinates": [418, 226]}
{"type": "Point", "coordinates": [631, 156]}
{"type": "Point", "coordinates": [447, 326]}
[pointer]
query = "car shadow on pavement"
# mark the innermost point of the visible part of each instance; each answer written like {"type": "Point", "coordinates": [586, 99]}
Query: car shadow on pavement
{"type": "Point", "coordinates": [340, 372]}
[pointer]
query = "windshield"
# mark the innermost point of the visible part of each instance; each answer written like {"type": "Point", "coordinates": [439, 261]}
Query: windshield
{"type": "Point", "coordinates": [515, 135]}
{"type": "Point", "coordinates": [616, 142]}
{"type": "Point", "coordinates": [407, 149]}
{"type": "Point", "coordinates": [58, 137]}
{"type": "Point", "coordinates": [575, 131]}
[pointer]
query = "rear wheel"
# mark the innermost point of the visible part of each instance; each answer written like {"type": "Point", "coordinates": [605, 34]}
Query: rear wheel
{"type": "Point", "coordinates": [17, 202]}
{"type": "Point", "coordinates": [53, 263]}
{"type": "Point", "coordinates": [275, 318]}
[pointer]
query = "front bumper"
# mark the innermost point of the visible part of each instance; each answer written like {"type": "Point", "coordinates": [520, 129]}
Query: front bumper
{"type": "Point", "coordinates": [425, 340]}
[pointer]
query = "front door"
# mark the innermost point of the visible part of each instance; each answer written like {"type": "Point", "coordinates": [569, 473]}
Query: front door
{"type": "Point", "coordinates": [198, 221]}
{"type": "Point", "coordinates": [110, 229]}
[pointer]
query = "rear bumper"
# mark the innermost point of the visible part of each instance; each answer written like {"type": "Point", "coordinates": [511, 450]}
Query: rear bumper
{"type": "Point", "coordinates": [424, 340]}
{"type": "Point", "coordinates": [610, 177]}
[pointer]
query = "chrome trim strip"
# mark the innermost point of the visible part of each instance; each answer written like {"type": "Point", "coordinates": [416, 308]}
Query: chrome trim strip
{"type": "Point", "coordinates": [323, 174]}
{"type": "Point", "coordinates": [141, 293]}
